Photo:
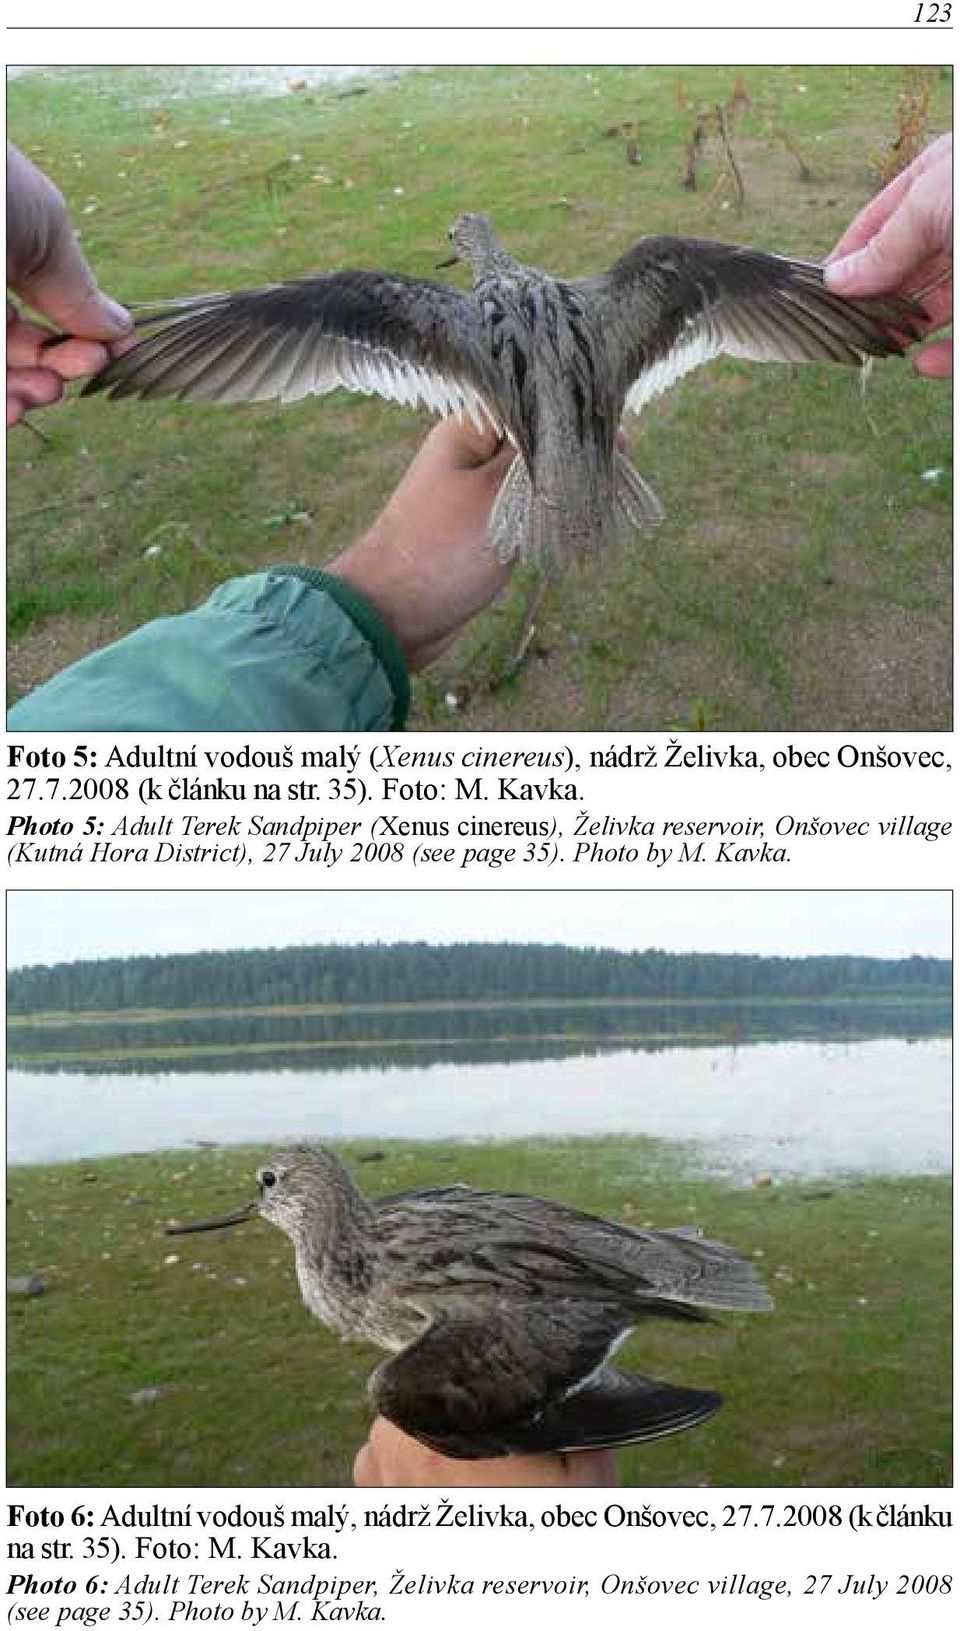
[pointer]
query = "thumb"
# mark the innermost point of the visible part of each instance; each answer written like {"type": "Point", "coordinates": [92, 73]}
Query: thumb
{"type": "Point", "coordinates": [64, 289]}
{"type": "Point", "coordinates": [468, 445]}
{"type": "Point", "coordinates": [906, 240]}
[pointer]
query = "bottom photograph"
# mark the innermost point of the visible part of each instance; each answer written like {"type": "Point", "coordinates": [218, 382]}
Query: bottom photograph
{"type": "Point", "coordinates": [456, 1189]}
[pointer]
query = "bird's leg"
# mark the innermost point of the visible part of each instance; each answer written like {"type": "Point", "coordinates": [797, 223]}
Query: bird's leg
{"type": "Point", "coordinates": [501, 665]}
{"type": "Point", "coordinates": [528, 627]}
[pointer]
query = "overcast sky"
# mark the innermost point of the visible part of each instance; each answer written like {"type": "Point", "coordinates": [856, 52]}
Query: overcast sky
{"type": "Point", "coordinates": [47, 926]}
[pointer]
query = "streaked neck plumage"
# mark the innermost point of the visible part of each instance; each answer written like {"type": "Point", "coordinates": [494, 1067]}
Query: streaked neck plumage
{"type": "Point", "coordinates": [477, 243]}
{"type": "Point", "coordinates": [329, 1222]}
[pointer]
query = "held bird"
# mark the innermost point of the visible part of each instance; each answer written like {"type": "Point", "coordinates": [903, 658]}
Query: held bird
{"type": "Point", "coordinates": [552, 364]}
{"type": "Point", "coordinates": [500, 1312]}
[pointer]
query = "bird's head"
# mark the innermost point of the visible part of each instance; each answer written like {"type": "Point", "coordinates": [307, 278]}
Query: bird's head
{"type": "Point", "coordinates": [292, 1187]}
{"type": "Point", "coordinates": [473, 240]}
{"type": "Point", "coordinates": [296, 1190]}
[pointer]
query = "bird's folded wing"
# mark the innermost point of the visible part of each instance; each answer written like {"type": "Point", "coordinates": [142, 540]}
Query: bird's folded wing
{"type": "Point", "coordinates": [670, 304]}
{"type": "Point", "coordinates": [518, 1242]}
{"type": "Point", "coordinates": [526, 1377]}
{"type": "Point", "coordinates": [401, 338]}
{"type": "Point", "coordinates": [518, 1246]}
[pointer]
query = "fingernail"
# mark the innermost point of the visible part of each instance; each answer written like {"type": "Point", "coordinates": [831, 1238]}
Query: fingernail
{"type": "Point", "coordinates": [115, 316]}
{"type": "Point", "coordinates": [841, 273]}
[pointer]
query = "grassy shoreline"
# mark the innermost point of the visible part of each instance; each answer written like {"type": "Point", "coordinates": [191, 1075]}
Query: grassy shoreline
{"type": "Point", "coordinates": [847, 1383]}
{"type": "Point", "coordinates": [147, 1016]}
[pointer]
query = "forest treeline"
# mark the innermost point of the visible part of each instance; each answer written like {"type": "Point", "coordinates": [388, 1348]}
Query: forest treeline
{"type": "Point", "coordinates": [414, 972]}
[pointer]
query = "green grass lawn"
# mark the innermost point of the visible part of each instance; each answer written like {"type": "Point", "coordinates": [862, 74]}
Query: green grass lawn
{"type": "Point", "coordinates": [846, 1383]}
{"type": "Point", "coordinates": [802, 576]}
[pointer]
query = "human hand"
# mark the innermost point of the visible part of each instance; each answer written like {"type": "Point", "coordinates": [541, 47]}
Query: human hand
{"type": "Point", "coordinates": [47, 271]}
{"type": "Point", "coordinates": [424, 564]}
{"type": "Point", "coordinates": [391, 1459]}
{"type": "Point", "coordinates": [902, 243]}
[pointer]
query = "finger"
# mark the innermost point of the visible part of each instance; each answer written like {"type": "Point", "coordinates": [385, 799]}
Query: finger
{"type": "Point", "coordinates": [938, 307]}
{"type": "Point", "coordinates": [936, 360]}
{"type": "Point", "coordinates": [872, 217]}
{"type": "Point", "coordinates": [126, 342]}
{"type": "Point", "coordinates": [74, 359]}
{"type": "Point", "coordinates": [34, 387]}
{"type": "Point", "coordinates": [932, 285]}
{"type": "Point", "coordinates": [464, 444]}
{"type": "Point", "coordinates": [25, 341]}
{"type": "Point", "coordinates": [29, 346]}
{"type": "Point", "coordinates": [589, 1469]}
{"type": "Point", "coordinates": [64, 289]}
{"type": "Point", "coordinates": [365, 1469]}
{"type": "Point", "coordinates": [908, 239]}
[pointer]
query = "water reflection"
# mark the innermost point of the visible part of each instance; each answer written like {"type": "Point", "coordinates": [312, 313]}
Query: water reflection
{"type": "Point", "coordinates": [334, 1037]}
{"type": "Point", "coordinates": [788, 1107]}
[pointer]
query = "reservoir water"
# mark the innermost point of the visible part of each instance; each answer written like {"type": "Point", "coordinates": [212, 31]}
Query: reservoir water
{"type": "Point", "coordinates": [787, 1108]}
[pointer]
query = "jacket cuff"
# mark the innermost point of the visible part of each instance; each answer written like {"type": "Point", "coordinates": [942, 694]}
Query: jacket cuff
{"type": "Point", "coordinates": [375, 630]}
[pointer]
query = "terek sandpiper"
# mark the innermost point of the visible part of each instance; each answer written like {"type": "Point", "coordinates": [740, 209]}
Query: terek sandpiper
{"type": "Point", "coordinates": [550, 363]}
{"type": "Point", "coordinates": [500, 1312]}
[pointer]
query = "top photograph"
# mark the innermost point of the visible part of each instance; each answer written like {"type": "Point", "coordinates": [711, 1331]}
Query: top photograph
{"type": "Point", "coordinates": [478, 399]}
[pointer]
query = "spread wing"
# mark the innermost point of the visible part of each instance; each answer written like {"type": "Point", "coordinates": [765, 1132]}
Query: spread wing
{"type": "Point", "coordinates": [527, 1378]}
{"type": "Point", "coordinates": [670, 304]}
{"type": "Point", "coordinates": [402, 338]}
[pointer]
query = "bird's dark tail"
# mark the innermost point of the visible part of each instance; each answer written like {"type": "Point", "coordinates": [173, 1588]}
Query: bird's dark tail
{"type": "Point", "coordinates": [611, 1408]}
{"type": "Point", "coordinates": [715, 1275]}
{"type": "Point", "coordinates": [617, 1407]}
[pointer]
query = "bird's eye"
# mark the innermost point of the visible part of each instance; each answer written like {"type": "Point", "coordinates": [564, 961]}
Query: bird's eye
{"type": "Point", "coordinates": [267, 1179]}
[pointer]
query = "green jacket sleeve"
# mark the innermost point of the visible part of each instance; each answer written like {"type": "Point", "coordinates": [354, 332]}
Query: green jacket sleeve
{"type": "Point", "coordinates": [289, 649]}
